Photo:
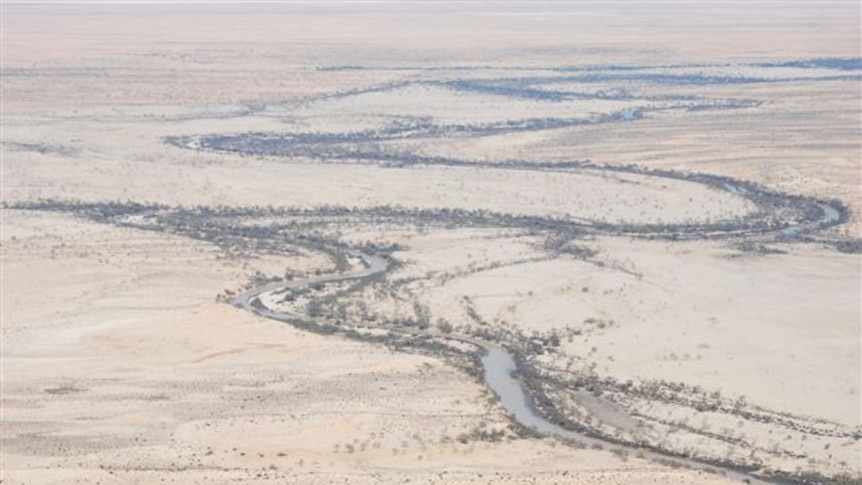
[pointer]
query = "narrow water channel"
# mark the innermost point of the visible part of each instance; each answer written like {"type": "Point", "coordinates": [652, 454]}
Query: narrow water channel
{"type": "Point", "coordinates": [498, 367]}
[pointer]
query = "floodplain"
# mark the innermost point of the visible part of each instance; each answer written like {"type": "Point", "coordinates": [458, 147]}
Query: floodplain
{"type": "Point", "coordinates": [292, 243]}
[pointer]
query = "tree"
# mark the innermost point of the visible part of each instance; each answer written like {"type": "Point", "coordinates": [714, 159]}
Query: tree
{"type": "Point", "coordinates": [314, 309]}
{"type": "Point", "coordinates": [444, 325]}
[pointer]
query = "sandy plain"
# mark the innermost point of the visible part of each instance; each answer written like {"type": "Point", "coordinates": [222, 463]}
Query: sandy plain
{"type": "Point", "coordinates": [119, 365]}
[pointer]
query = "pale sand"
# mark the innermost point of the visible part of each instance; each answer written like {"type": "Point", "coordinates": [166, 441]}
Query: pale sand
{"type": "Point", "coordinates": [118, 365]}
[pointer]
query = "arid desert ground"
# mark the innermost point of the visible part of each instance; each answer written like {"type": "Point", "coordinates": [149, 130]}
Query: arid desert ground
{"type": "Point", "coordinates": [281, 243]}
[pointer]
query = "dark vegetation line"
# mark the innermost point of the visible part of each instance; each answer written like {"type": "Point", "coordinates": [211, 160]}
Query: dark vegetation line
{"type": "Point", "coordinates": [530, 87]}
{"type": "Point", "coordinates": [691, 79]}
{"type": "Point", "coordinates": [839, 63]}
{"type": "Point", "coordinates": [413, 128]}
{"type": "Point", "coordinates": [417, 340]}
{"type": "Point", "coordinates": [535, 87]}
{"type": "Point", "coordinates": [228, 228]}
{"type": "Point", "coordinates": [776, 211]}
{"type": "Point", "coordinates": [535, 383]}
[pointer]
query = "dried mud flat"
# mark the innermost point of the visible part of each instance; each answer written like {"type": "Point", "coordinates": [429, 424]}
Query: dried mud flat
{"type": "Point", "coordinates": [663, 234]}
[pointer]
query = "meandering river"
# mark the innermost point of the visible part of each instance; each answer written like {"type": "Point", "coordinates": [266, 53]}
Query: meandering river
{"type": "Point", "coordinates": [498, 365]}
